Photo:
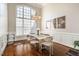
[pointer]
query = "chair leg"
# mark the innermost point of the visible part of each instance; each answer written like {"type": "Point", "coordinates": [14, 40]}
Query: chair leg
{"type": "Point", "coordinates": [50, 51]}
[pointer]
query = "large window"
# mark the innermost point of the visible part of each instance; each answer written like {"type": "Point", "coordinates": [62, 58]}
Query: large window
{"type": "Point", "coordinates": [24, 22]}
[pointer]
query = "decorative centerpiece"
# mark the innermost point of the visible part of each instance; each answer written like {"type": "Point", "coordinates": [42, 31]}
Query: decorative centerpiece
{"type": "Point", "coordinates": [38, 31]}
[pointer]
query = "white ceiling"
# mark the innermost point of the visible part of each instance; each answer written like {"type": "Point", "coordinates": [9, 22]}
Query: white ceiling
{"type": "Point", "coordinates": [40, 5]}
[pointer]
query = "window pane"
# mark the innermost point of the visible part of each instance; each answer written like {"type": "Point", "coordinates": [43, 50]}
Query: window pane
{"type": "Point", "coordinates": [33, 23]}
{"type": "Point", "coordinates": [19, 11]}
{"type": "Point", "coordinates": [19, 22]}
{"type": "Point", "coordinates": [19, 31]}
{"type": "Point", "coordinates": [26, 32]}
{"type": "Point", "coordinates": [27, 16]}
{"type": "Point", "coordinates": [27, 13]}
{"type": "Point", "coordinates": [24, 24]}
{"type": "Point", "coordinates": [26, 8]}
{"type": "Point", "coordinates": [19, 26]}
{"type": "Point", "coordinates": [19, 15]}
{"type": "Point", "coordinates": [20, 8]}
{"type": "Point", "coordinates": [33, 12]}
{"type": "Point", "coordinates": [27, 24]}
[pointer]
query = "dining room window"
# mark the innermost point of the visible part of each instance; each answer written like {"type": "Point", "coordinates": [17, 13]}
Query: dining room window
{"type": "Point", "coordinates": [24, 20]}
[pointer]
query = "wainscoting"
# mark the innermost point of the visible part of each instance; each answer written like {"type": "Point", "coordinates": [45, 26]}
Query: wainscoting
{"type": "Point", "coordinates": [3, 43]}
{"type": "Point", "coordinates": [66, 38]}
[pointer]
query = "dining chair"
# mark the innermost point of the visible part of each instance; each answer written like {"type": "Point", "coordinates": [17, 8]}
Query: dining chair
{"type": "Point", "coordinates": [47, 45]}
{"type": "Point", "coordinates": [34, 42]}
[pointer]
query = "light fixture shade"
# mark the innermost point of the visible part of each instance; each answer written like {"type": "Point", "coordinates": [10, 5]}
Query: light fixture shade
{"type": "Point", "coordinates": [38, 29]}
{"type": "Point", "coordinates": [36, 17]}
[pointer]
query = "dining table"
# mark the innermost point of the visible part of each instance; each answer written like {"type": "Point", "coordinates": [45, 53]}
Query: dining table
{"type": "Point", "coordinates": [40, 38]}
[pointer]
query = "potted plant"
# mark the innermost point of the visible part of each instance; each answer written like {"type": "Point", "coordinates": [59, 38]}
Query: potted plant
{"type": "Point", "coordinates": [76, 43]}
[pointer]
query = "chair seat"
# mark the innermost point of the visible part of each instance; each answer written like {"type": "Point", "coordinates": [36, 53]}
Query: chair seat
{"type": "Point", "coordinates": [34, 45]}
{"type": "Point", "coordinates": [46, 43]}
{"type": "Point", "coordinates": [34, 42]}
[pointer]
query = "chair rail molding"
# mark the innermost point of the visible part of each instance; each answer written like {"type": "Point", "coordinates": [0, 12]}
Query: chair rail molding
{"type": "Point", "coordinates": [66, 38]}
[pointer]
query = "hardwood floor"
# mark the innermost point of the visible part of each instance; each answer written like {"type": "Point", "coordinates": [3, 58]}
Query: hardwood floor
{"type": "Point", "coordinates": [59, 49]}
{"type": "Point", "coordinates": [22, 48]}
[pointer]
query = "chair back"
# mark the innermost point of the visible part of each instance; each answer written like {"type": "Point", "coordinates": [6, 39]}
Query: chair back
{"type": "Point", "coordinates": [49, 39]}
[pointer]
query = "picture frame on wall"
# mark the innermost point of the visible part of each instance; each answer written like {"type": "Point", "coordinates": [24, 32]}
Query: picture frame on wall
{"type": "Point", "coordinates": [54, 22]}
{"type": "Point", "coordinates": [59, 22]}
{"type": "Point", "coordinates": [48, 23]}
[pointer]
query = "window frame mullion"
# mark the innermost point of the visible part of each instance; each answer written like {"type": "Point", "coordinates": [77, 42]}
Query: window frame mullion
{"type": "Point", "coordinates": [23, 21]}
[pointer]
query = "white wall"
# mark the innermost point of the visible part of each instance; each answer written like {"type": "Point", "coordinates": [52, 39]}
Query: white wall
{"type": "Point", "coordinates": [71, 11]}
{"type": "Point", "coordinates": [3, 27]}
{"type": "Point", "coordinates": [68, 35]}
{"type": "Point", "coordinates": [3, 19]}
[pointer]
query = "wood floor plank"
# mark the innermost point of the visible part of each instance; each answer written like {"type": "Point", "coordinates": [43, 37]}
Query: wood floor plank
{"type": "Point", "coordinates": [24, 48]}
{"type": "Point", "coordinates": [21, 49]}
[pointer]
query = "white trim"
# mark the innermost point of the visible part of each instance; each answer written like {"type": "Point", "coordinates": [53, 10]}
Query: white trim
{"type": "Point", "coordinates": [65, 38]}
{"type": "Point", "coordinates": [67, 33]}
